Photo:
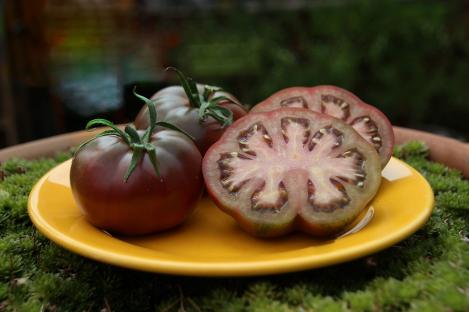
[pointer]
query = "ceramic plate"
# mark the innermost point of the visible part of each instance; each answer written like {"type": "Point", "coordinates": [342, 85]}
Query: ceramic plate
{"type": "Point", "coordinates": [211, 244]}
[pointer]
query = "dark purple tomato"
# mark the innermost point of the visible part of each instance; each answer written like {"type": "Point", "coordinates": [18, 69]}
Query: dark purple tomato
{"type": "Point", "coordinates": [137, 182]}
{"type": "Point", "coordinates": [203, 111]}
{"type": "Point", "coordinates": [146, 202]}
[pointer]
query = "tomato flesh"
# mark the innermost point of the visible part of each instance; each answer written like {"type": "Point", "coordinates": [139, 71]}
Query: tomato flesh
{"type": "Point", "coordinates": [367, 120]}
{"type": "Point", "coordinates": [291, 168]}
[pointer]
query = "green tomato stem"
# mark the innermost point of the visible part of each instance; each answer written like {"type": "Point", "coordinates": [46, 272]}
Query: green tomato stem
{"type": "Point", "coordinates": [139, 144]}
{"type": "Point", "coordinates": [204, 102]}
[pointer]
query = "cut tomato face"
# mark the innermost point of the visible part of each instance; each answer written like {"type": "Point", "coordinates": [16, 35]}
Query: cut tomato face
{"type": "Point", "coordinates": [367, 120]}
{"type": "Point", "coordinates": [291, 169]}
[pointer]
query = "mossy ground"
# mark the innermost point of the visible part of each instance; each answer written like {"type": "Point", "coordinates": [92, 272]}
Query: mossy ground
{"type": "Point", "coordinates": [427, 272]}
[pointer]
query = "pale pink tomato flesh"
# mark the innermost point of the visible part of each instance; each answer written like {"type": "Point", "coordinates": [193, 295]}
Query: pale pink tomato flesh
{"type": "Point", "coordinates": [367, 120]}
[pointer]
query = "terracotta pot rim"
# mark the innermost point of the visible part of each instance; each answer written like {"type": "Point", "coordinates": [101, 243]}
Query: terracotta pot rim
{"type": "Point", "coordinates": [450, 152]}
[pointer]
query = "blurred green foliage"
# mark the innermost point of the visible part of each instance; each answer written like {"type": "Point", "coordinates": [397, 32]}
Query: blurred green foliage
{"type": "Point", "coordinates": [409, 58]}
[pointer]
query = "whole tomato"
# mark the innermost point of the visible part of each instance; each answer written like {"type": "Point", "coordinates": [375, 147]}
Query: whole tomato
{"type": "Point", "coordinates": [202, 111]}
{"type": "Point", "coordinates": [137, 182]}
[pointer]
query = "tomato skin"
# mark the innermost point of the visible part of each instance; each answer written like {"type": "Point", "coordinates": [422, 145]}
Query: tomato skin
{"type": "Point", "coordinates": [173, 106]}
{"type": "Point", "coordinates": [145, 203]}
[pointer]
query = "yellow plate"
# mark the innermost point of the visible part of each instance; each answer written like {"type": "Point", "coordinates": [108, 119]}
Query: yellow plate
{"type": "Point", "coordinates": [211, 244]}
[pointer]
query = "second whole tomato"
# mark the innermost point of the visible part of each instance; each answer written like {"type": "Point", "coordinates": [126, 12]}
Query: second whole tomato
{"type": "Point", "coordinates": [203, 111]}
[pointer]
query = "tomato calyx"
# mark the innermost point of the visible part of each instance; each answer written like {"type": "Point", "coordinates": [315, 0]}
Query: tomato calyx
{"type": "Point", "coordinates": [207, 104]}
{"type": "Point", "coordinates": [139, 144]}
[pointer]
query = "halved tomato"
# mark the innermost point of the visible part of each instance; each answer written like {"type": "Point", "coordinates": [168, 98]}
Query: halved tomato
{"type": "Point", "coordinates": [291, 169]}
{"type": "Point", "coordinates": [367, 120]}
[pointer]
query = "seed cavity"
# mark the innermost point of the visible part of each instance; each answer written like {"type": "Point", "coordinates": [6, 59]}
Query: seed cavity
{"type": "Point", "coordinates": [227, 171]}
{"type": "Point", "coordinates": [295, 101]}
{"type": "Point", "coordinates": [258, 130]}
{"type": "Point", "coordinates": [295, 128]}
{"type": "Point", "coordinates": [258, 202]}
{"type": "Point", "coordinates": [335, 106]}
{"type": "Point", "coordinates": [368, 129]}
{"type": "Point", "coordinates": [268, 139]}
{"type": "Point", "coordinates": [332, 134]}
{"type": "Point", "coordinates": [355, 174]}
{"type": "Point", "coordinates": [330, 206]}
{"type": "Point", "coordinates": [311, 190]}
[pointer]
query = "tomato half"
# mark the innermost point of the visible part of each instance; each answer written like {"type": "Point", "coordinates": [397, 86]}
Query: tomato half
{"type": "Point", "coordinates": [291, 169]}
{"type": "Point", "coordinates": [367, 120]}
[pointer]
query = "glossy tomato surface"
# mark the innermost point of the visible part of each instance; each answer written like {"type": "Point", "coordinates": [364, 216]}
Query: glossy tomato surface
{"type": "Point", "coordinates": [366, 119]}
{"type": "Point", "coordinates": [146, 202]}
{"type": "Point", "coordinates": [290, 169]}
{"type": "Point", "coordinates": [174, 106]}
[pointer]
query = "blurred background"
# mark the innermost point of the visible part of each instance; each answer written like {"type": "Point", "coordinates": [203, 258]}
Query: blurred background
{"type": "Point", "coordinates": [65, 62]}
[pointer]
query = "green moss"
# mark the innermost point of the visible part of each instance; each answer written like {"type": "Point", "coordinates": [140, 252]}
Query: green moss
{"type": "Point", "coordinates": [411, 149]}
{"type": "Point", "coordinates": [429, 271]}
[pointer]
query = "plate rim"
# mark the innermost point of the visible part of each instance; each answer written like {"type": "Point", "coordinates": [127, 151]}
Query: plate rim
{"type": "Point", "coordinates": [224, 269]}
